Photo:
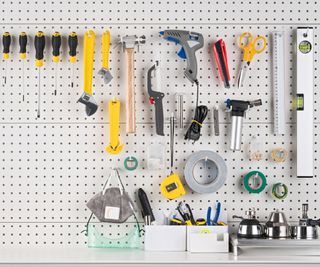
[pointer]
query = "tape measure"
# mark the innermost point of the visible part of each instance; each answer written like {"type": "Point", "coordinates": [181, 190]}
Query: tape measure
{"type": "Point", "coordinates": [171, 187]}
{"type": "Point", "coordinates": [253, 176]}
{"type": "Point", "coordinates": [278, 72]}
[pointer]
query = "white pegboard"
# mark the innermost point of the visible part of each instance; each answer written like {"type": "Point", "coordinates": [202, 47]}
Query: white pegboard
{"type": "Point", "coordinates": [50, 167]}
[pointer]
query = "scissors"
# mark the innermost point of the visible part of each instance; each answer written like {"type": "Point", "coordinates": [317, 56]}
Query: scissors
{"type": "Point", "coordinates": [250, 47]}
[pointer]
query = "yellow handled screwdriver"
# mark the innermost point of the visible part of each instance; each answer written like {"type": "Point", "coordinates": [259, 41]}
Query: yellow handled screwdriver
{"type": "Point", "coordinates": [73, 43]}
{"type": "Point", "coordinates": [23, 39]}
{"type": "Point", "coordinates": [6, 41]}
{"type": "Point", "coordinates": [56, 44]}
{"type": "Point", "coordinates": [39, 44]}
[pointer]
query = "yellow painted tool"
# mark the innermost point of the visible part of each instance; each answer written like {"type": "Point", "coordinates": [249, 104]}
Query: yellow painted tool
{"type": "Point", "coordinates": [88, 57]}
{"type": "Point", "coordinates": [105, 47]}
{"type": "Point", "coordinates": [114, 118]}
{"type": "Point", "coordinates": [23, 39]}
{"type": "Point", "coordinates": [6, 41]}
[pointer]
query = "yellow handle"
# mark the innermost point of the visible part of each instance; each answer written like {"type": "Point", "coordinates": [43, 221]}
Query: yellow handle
{"type": "Point", "coordinates": [105, 49]}
{"type": "Point", "coordinates": [114, 118]}
{"type": "Point", "coordinates": [88, 54]}
{"type": "Point", "coordinates": [250, 47]}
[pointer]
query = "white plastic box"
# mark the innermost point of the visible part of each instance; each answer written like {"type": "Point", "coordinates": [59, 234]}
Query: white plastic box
{"type": "Point", "coordinates": [207, 239]}
{"type": "Point", "coordinates": [165, 238]}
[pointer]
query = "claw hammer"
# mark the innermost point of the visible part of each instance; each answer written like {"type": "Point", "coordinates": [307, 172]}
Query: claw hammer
{"type": "Point", "coordinates": [128, 45]}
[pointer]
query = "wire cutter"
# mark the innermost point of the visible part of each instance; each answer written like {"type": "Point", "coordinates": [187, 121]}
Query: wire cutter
{"type": "Point", "coordinates": [216, 216]}
{"type": "Point", "coordinates": [250, 47]}
{"type": "Point", "coordinates": [186, 213]}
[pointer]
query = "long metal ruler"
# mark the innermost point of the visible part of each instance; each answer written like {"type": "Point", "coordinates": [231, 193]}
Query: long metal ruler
{"type": "Point", "coordinates": [278, 72]}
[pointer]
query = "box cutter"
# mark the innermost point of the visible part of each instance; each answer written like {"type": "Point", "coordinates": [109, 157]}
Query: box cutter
{"type": "Point", "coordinates": [156, 97]}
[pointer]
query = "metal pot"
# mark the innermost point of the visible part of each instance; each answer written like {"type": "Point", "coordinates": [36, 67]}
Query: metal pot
{"type": "Point", "coordinates": [304, 232]}
{"type": "Point", "coordinates": [277, 225]}
{"type": "Point", "coordinates": [249, 227]}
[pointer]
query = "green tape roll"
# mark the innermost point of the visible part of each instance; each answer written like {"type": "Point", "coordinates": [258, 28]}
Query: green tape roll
{"type": "Point", "coordinates": [131, 160]}
{"type": "Point", "coordinates": [275, 193]}
{"type": "Point", "coordinates": [262, 186]}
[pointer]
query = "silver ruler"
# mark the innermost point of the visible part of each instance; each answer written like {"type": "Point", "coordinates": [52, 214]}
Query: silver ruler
{"type": "Point", "coordinates": [278, 66]}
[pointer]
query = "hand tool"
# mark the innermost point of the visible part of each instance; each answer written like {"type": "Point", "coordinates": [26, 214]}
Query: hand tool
{"type": "Point", "coordinates": [155, 97]}
{"type": "Point", "coordinates": [39, 44]}
{"type": "Point", "coordinates": [279, 155]}
{"type": "Point", "coordinates": [105, 47]}
{"type": "Point", "coordinates": [128, 44]}
{"type": "Point", "coordinates": [220, 54]}
{"type": "Point", "coordinates": [238, 108]}
{"type": "Point", "coordinates": [73, 43]}
{"type": "Point", "coordinates": [217, 214]}
{"type": "Point", "coordinates": [186, 213]}
{"type": "Point", "coordinates": [200, 222]}
{"type": "Point", "coordinates": [130, 163]}
{"type": "Point", "coordinates": [88, 56]}
{"type": "Point", "coordinates": [278, 78]}
{"type": "Point", "coordinates": [146, 209]}
{"type": "Point", "coordinates": [171, 187]}
{"type": "Point", "coordinates": [216, 171]}
{"type": "Point", "coordinates": [175, 221]}
{"type": "Point", "coordinates": [250, 183]}
{"type": "Point", "coordinates": [279, 191]}
{"type": "Point", "coordinates": [23, 39]}
{"type": "Point", "coordinates": [304, 81]}
{"type": "Point", "coordinates": [56, 44]}
{"type": "Point", "coordinates": [6, 41]}
{"type": "Point", "coordinates": [209, 215]}
{"type": "Point", "coordinates": [190, 42]}
{"type": "Point", "coordinates": [114, 146]}
{"type": "Point", "coordinates": [180, 100]}
{"type": "Point", "coordinates": [250, 47]}
{"type": "Point", "coordinates": [216, 120]}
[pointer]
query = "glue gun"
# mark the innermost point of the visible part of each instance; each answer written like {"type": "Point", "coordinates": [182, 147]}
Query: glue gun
{"type": "Point", "coordinates": [190, 42]}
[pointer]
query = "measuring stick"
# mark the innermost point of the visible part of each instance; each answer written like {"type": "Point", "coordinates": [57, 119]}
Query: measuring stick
{"type": "Point", "coordinates": [278, 64]}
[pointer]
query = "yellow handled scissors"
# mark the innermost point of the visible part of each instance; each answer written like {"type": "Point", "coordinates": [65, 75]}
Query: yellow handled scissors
{"type": "Point", "coordinates": [250, 47]}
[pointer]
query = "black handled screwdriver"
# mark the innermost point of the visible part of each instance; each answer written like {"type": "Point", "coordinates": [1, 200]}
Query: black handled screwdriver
{"type": "Point", "coordinates": [6, 41]}
{"type": "Point", "coordinates": [73, 43]}
{"type": "Point", "coordinates": [39, 44]}
{"type": "Point", "coordinates": [23, 39]}
{"type": "Point", "coordinates": [56, 44]}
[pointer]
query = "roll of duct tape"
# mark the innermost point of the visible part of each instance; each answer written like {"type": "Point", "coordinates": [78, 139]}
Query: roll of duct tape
{"type": "Point", "coordinates": [256, 176]}
{"type": "Point", "coordinates": [210, 162]}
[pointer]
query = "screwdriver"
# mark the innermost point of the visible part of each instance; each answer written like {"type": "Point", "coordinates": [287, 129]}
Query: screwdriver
{"type": "Point", "coordinates": [56, 44]}
{"type": "Point", "coordinates": [73, 43]}
{"type": "Point", "coordinates": [39, 44]}
{"type": "Point", "coordinates": [6, 41]}
{"type": "Point", "coordinates": [23, 55]}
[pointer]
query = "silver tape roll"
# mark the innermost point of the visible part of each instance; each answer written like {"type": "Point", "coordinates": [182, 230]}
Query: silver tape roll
{"type": "Point", "coordinates": [211, 162]}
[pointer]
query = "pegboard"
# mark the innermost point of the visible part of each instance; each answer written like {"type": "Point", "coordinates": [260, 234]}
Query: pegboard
{"type": "Point", "coordinates": [50, 167]}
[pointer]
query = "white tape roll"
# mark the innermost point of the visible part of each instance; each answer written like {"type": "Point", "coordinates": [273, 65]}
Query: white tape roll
{"type": "Point", "coordinates": [213, 163]}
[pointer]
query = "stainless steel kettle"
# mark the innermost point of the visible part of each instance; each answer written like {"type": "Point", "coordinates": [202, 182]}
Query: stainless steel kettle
{"type": "Point", "coordinates": [249, 227]}
{"type": "Point", "coordinates": [277, 225]}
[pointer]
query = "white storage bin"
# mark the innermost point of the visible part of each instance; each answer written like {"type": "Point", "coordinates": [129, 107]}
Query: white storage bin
{"type": "Point", "coordinates": [165, 238]}
{"type": "Point", "coordinates": [207, 239]}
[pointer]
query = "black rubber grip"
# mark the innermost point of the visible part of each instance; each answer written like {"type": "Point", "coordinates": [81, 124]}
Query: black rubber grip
{"type": "Point", "coordinates": [6, 41]}
{"type": "Point", "coordinates": [39, 44]}
{"type": "Point", "coordinates": [73, 43]}
{"type": "Point", "coordinates": [56, 44]}
{"type": "Point", "coordinates": [23, 43]}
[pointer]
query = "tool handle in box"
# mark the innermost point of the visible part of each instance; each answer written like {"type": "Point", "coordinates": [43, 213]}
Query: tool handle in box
{"type": "Point", "coordinates": [130, 101]}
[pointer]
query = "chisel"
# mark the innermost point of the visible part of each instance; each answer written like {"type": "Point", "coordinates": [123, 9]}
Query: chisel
{"type": "Point", "coordinates": [73, 43]}
{"type": "Point", "coordinates": [56, 44]}
{"type": "Point", "coordinates": [23, 39]}
{"type": "Point", "coordinates": [39, 44]}
{"type": "Point", "coordinates": [6, 41]}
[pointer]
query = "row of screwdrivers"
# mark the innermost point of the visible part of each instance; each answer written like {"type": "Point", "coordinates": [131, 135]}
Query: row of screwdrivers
{"type": "Point", "coordinates": [39, 43]}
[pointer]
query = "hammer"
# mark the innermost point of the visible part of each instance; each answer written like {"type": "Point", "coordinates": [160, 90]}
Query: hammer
{"type": "Point", "coordinates": [128, 44]}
